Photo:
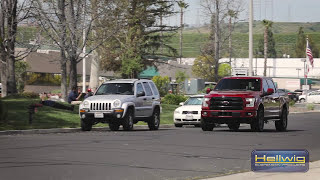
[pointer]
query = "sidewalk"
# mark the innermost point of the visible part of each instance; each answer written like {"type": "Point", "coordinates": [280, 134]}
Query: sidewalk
{"type": "Point", "coordinates": [312, 174]}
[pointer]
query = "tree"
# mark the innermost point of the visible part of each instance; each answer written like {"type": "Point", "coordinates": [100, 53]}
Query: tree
{"type": "Point", "coordinates": [224, 70]}
{"type": "Point", "coordinates": [182, 5]}
{"type": "Point", "coordinates": [272, 53]}
{"type": "Point", "coordinates": [181, 76]}
{"type": "Point", "coordinates": [232, 15]}
{"type": "Point", "coordinates": [21, 73]}
{"type": "Point", "coordinates": [267, 25]}
{"type": "Point", "coordinates": [203, 67]}
{"type": "Point", "coordinates": [300, 50]}
{"type": "Point", "coordinates": [162, 84]}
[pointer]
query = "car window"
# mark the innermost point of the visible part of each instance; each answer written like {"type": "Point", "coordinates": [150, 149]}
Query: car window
{"type": "Point", "coordinates": [271, 85]}
{"type": "Point", "coordinates": [154, 88]}
{"type": "Point", "coordinates": [265, 86]}
{"type": "Point", "coordinates": [147, 88]}
{"type": "Point", "coordinates": [194, 101]}
{"type": "Point", "coordinates": [139, 88]}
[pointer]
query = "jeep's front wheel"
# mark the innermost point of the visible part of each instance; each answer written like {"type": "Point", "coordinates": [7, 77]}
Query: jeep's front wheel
{"type": "Point", "coordinates": [128, 121]}
{"type": "Point", "coordinates": [234, 126]}
{"type": "Point", "coordinates": [282, 124]}
{"type": "Point", "coordinates": [258, 122]}
{"type": "Point", "coordinates": [154, 121]}
{"type": "Point", "coordinates": [205, 126]}
{"type": "Point", "coordinates": [86, 125]}
{"type": "Point", "coordinates": [114, 126]}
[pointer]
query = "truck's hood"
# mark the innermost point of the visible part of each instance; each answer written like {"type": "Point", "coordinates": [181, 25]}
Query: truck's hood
{"type": "Point", "coordinates": [234, 93]}
{"type": "Point", "coordinates": [122, 98]}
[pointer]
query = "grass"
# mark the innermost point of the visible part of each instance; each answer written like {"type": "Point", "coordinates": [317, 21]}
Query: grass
{"type": "Point", "coordinates": [47, 117]}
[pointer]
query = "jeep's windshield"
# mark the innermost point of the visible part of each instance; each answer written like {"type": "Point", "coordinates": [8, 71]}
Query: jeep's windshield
{"type": "Point", "coordinates": [238, 85]}
{"type": "Point", "coordinates": [194, 101]}
{"type": "Point", "coordinates": [116, 88]}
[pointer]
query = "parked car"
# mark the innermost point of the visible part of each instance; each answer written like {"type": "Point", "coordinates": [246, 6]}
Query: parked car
{"type": "Point", "coordinates": [313, 97]}
{"type": "Point", "coordinates": [122, 102]}
{"type": "Point", "coordinates": [291, 95]}
{"type": "Point", "coordinates": [303, 97]}
{"type": "Point", "coordinates": [250, 100]}
{"type": "Point", "coordinates": [189, 113]}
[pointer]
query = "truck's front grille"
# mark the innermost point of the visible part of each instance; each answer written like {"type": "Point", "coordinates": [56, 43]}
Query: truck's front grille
{"type": "Point", "coordinates": [226, 103]}
{"type": "Point", "coordinates": [100, 106]}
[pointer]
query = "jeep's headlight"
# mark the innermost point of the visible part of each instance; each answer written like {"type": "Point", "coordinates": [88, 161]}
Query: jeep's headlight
{"type": "Point", "coordinates": [250, 102]}
{"type": "Point", "coordinates": [117, 103]}
{"type": "Point", "coordinates": [85, 104]}
{"type": "Point", "coordinates": [177, 112]}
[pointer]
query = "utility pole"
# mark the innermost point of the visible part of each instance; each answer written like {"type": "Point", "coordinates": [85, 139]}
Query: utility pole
{"type": "Point", "coordinates": [84, 52]}
{"type": "Point", "coordinates": [250, 37]}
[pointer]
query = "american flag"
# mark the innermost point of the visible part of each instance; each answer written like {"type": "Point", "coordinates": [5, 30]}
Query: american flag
{"type": "Point", "coordinates": [309, 53]}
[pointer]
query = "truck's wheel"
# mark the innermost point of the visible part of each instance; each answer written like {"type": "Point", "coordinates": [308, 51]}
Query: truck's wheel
{"type": "Point", "coordinates": [154, 121]}
{"type": "Point", "coordinates": [234, 126]}
{"type": "Point", "coordinates": [128, 121]}
{"type": "Point", "coordinates": [178, 125]}
{"type": "Point", "coordinates": [86, 125]}
{"type": "Point", "coordinates": [205, 126]}
{"type": "Point", "coordinates": [114, 126]}
{"type": "Point", "coordinates": [258, 122]}
{"type": "Point", "coordinates": [282, 124]}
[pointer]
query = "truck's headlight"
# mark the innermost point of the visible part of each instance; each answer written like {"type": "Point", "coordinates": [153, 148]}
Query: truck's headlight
{"type": "Point", "coordinates": [117, 103]}
{"type": "Point", "coordinates": [177, 112]}
{"type": "Point", "coordinates": [86, 104]}
{"type": "Point", "coordinates": [250, 102]}
{"type": "Point", "coordinates": [205, 102]}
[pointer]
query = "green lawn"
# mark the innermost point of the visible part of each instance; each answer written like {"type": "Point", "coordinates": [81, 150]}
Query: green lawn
{"type": "Point", "coordinates": [47, 117]}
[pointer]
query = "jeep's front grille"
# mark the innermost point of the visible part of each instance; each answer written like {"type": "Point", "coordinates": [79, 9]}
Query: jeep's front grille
{"type": "Point", "coordinates": [100, 106]}
{"type": "Point", "coordinates": [189, 112]}
{"type": "Point", "coordinates": [226, 103]}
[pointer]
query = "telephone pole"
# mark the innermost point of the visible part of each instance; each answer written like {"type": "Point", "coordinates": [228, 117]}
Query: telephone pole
{"type": "Point", "coordinates": [250, 37]}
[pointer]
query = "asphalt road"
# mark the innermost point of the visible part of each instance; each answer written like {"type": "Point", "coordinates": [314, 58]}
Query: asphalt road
{"type": "Point", "coordinates": [177, 153]}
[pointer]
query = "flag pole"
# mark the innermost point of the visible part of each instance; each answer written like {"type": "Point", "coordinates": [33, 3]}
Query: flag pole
{"type": "Point", "coordinates": [306, 65]}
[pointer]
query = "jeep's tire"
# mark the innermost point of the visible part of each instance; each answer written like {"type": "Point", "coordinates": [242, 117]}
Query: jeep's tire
{"type": "Point", "coordinates": [258, 123]}
{"type": "Point", "coordinates": [86, 125]}
{"type": "Point", "coordinates": [114, 126]}
{"type": "Point", "coordinates": [205, 126]}
{"type": "Point", "coordinates": [178, 125]}
{"type": "Point", "coordinates": [234, 126]}
{"type": "Point", "coordinates": [282, 124]}
{"type": "Point", "coordinates": [154, 121]}
{"type": "Point", "coordinates": [128, 120]}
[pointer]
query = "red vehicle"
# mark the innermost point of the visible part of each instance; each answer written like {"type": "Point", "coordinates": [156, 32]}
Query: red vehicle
{"type": "Point", "coordinates": [250, 100]}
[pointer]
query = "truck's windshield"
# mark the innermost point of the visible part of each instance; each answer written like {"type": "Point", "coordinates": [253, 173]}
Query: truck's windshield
{"type": "Point", "coordinates": [238, 85]}
{"type": "Point", "coordinates": [116, 88]}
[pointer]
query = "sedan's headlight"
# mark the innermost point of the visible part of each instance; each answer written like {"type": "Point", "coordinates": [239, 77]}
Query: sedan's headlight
{"type": "Point", "coordinates": [86, 104]}
{"type": "Point", "coordinates": [117, 103]}
{"type": "Point", "coordinates": [177, 112]}
{"type": "Point", "coordinates": [250, 102]}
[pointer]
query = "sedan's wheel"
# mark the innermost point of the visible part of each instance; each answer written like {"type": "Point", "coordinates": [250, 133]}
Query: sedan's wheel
{"type": "Point", "coordinates": [128, 121]}
{"type": "Point", "coordinates": [258, 122]}
{"type": "Point", "coordinates": [234, 126]}
{"type": "Point", "coordinates": [205, 126]}
{"type": "Point", "coordinates": [178, 125]}
{"type": "Point", "coordinates": [114, 126]}
{"type": "Point", "coordinates": [86, 125]}
{"type": "Point", "coordinates": [302, 100]}
{"type": "Point", "coordinates": [282, 124]}
{"type": "Point", "coordinates": [154, 121]}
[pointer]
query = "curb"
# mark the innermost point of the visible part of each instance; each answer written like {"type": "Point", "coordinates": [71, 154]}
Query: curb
{"type": "Point", "coordinates": [68, 130]}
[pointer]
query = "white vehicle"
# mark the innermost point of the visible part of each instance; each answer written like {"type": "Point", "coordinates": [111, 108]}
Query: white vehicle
{"type": "Point", "coordinates": [303, 97]}
{"type": "Point", "coordinates": [189, 113]}
{"type": "Point", "coordinates": [313, 97]}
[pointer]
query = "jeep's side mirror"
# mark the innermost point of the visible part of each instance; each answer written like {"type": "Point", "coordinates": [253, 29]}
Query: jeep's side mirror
{"type": "Point", "coordinates": [141, 93]}
{"type": "Point", "coordinates": [270, 91]}
{"type": "Point", "coordinates": [181, 104]}
{"type": "Point", "coordinates": [208, 90]}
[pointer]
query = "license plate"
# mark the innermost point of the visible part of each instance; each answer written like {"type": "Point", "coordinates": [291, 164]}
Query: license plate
{"type": "Point", "coordinates": [189, 117]}
{"type": "Point", "coordinates": [98, 115]}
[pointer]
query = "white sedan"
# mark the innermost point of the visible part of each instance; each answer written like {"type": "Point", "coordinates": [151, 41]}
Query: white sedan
{"type": "Point", "coordinates": [189, 113]}
{"type": "Point", "coordinates": [313, 97]}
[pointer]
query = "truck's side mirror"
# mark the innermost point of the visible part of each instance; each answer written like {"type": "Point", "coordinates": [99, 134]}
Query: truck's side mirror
{"type": "Point", "coordinates": [141, 93]}
{"type": "Point", "coordinates": [208, 90]}
{"type": "Point", "coordinates": [270, 91]}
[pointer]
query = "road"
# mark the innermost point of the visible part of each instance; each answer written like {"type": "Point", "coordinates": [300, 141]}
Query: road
{"type": "Point", "coordinates": [177, 153]}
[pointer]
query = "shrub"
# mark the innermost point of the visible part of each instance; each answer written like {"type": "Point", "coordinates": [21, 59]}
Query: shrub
{"type": "Point", "coordinates": [310, 107]}
{"type": "Point", "coordinates": [30, 95]}
{"type": "Point", "coordinates": [291, 103]}
{"type": "Point", "coordinates": [174, 99]}
{"type": "Point", "coordinates": [3, 111]}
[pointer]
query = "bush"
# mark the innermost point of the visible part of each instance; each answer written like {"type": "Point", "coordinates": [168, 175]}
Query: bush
{"type": "Point", "coordinates": [3, 111]}
{"type": "Point", "coordinates": [174, 99]}
{"type": "Point", "coordinates": [310, 107]}
{"type": "Point", "coordinates": [291, 103]}
{"type": "Point", "coordinates": [30, 95]}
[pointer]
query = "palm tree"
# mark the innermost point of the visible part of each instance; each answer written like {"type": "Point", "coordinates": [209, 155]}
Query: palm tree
{"type": "Point", "coordinates": [231, 14]}
{"type": "Point", "coordinates": [182, 5]}
{"type": "Point", "coordinates": [267, 24]}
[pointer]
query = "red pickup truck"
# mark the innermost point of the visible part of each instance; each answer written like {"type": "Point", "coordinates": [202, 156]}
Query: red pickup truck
{"type": "Point", "coordinates": [250, 100]}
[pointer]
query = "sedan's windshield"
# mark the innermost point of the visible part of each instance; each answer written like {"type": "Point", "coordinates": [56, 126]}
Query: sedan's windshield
{"type": "Point", "coordinates": [238, 85]}
{"type": "Point", "coordinates": [116, 88]}
{"type": "Point", "coordinates": [194, 101]}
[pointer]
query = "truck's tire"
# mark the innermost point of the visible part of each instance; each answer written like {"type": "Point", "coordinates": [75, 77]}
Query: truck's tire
{"type": "Point", "coordinates": [258, 123]}
{"type": "Point", "coordinates": [234, 126]}
{"type": "Point", "coordinates": [205, 126]}
{"type": "Point", "coordinates": [178, 125]}
{"type": "Point", "coordinates": [154, 121]}
{"type": "Point", "coordinates": [128, 120]}
{"type": "Point", "coordinates": [114, 126]}
{"type": "Point", "coordinates": [86, 125]}
{"type": "Point", "coordinates": [282, 124]}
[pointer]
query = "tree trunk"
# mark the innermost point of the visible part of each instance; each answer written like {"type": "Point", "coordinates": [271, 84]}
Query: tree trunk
{"type": "Point", "coordinates": [216, 42]}
{"type": "Point", "coordinates": [181, 30]}
{"type": "Point", "coordinates": [73, 81]}
{"type": "Point", "coordinates": [12, 87]}
{"type": "Point", "coordinates": [4, 73]}
{"type": "Point", "coordinates": [265, 51]}
{"type": "Point", "coordinates": [230, 41]}
{"type": "Point", "coordinates": [94, 75]}
{"type": "Point", "coordinates": [63, 65]}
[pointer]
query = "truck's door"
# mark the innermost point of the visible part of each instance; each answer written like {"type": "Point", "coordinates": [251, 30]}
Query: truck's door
{"type": "Point", "coordinates": [275, 100]}
{"type": "Point", "coordinates": [266, 99]}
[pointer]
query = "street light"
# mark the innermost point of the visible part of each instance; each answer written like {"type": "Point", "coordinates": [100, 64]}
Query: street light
{"type": "Point", "coordinates": [298, 69]}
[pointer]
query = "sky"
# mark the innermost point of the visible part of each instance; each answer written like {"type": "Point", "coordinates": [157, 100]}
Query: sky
{"type": "Point", "coordinates": [275, 10]}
